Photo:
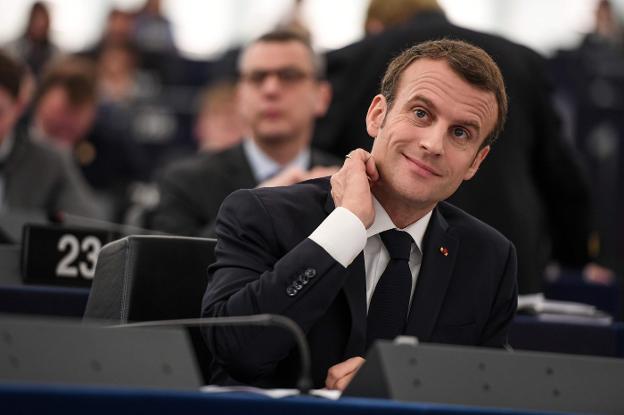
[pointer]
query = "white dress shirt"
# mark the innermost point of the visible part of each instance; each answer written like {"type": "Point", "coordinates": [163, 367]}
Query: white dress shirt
{"type": "Point", "coordinates": [264, 167]}
{"type": "Point", "coordinates": [343, 236]}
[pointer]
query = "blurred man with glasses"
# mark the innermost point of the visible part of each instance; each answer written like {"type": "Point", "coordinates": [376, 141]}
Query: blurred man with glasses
{"type": "Point", "coordinates": [281, 91]}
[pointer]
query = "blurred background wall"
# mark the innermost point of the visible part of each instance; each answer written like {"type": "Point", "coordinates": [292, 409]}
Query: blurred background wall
{"type": "Point", "coordinates": [204, 29]}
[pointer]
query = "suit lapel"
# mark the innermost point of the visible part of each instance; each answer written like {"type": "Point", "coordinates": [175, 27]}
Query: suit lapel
{"type": "Point", "coordinates": [435, 274]}
{"type": "Point", "coordinates": [355, 292]}
{"type": "Point", "coordinates": [237, 168]}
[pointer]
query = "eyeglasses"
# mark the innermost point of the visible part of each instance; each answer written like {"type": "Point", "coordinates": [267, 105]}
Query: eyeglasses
{"type": "Point", "coordinates": [286, 76]}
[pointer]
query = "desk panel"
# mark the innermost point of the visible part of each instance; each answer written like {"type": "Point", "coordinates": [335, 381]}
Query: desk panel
{"type": "Point", "coordinates": [529, 333]}
{"type": "Point", "coordinates": [43, 300]}
{"type": "Point", "coordinates": [24, 399]}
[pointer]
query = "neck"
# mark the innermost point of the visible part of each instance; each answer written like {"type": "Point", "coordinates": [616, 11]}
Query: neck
{"type": "Point", "coordinates": [402, 213]}
{"type": "Point", "coordinates": [283, 151]}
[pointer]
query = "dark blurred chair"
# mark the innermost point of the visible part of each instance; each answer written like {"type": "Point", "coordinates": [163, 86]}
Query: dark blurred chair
{"type": "Point", "coordinates": [147, 277]}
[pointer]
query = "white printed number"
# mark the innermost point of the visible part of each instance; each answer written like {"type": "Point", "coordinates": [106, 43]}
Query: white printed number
{"type": "Point", "coordinates": [71, 246]}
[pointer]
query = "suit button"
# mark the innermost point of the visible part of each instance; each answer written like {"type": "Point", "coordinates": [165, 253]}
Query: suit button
{"type": "Point", "coordinates": [303, 279]}
{"type": "Point", "coordinates": [297, 285]}
{"type": "Point", "coordinates": [291, 291]}
{"type": "Point", "coordinates": [310, 273]}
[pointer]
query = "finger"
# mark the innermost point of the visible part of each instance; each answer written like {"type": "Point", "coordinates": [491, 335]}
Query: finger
{"type": "Point", "coordinates": [330, 381]}
{"type": "Point", "coordinates": [342, 369]}
{"type": "Point", "coordinates": [339, 376]}
{"type": "Point", "coordinates": [371, 169]}
{"type": "Point", "coordinates": [358, 155]}
{"type": "Point", "coordinates": [320, 171]}
{"type": "Point", "coordinates": [342, 383]}
{"type": "Point", "coordinates": [334, 373]}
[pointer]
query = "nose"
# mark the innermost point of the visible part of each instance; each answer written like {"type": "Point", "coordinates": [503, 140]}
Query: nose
{"type": "Point", "coordinates": [271, 84]}
{"type": "Point", "coordinates": [433, 140]}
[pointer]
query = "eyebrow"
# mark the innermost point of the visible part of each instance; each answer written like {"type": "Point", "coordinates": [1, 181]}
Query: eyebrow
{"type": "Point", "coordinates": [428, 103]}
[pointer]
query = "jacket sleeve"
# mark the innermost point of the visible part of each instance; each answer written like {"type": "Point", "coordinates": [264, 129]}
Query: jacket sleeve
{"type": "Point", "coordinates": [73, 194]}
{"type": "Point", "coordinates": [504, 305]}
{"type": "Point", "coordinates": [256, 273]}
{"type": "Point", "coordinates": [178, 211]}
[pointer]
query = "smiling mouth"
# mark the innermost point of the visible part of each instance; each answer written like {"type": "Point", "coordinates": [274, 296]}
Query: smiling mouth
{"type": "Point", "coordinates": [271, 113]}
{"type": "Point", "coordinates": [422, 168]}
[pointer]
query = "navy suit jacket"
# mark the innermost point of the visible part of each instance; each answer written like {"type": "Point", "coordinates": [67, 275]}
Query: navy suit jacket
{"type": "Point", "coordinates": [466, 297]}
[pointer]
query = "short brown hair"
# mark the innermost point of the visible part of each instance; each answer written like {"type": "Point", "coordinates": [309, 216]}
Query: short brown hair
{"type": "Point", "coordinates": [470, 62]}
{"type": "Point", "coordinates": [396, 12]}
{"type": "Point", "coordinates": [74, 75]}
{"type": "Point", "coordinates": [289, 35]}
{"type": "Point", "coordinates": [11, 73]}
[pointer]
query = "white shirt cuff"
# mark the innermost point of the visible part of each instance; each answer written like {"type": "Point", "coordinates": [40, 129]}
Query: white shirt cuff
{"type": "Point", "coordinates": [342, 234]}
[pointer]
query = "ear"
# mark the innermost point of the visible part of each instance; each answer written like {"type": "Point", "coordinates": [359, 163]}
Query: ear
{"type": "Point", "coordinates": [376, 115]}
{"type": "Point", "coordinates": [472, 170]}
{"type": "Point", "coordinates": [323, 98]}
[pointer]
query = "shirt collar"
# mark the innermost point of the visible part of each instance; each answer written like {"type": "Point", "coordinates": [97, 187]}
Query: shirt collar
{"type": "Point", "coordinates": [264, 167]}
{"type": "Point", "coordinates": [383, 222]}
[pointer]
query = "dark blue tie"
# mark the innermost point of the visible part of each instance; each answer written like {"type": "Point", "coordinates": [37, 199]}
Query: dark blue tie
{"type": "Point", "coordinates": [387, 312]}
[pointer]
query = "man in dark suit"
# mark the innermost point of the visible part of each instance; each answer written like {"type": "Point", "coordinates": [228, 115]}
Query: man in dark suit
{"type": "Point", "coordinates": [533, 191]}
{"type": "Point", "coordinates": [374, 253]}
{"type": "Point", "coordinates": [35, 178]}
{"type": "Point", "coordinates": [281, 92]}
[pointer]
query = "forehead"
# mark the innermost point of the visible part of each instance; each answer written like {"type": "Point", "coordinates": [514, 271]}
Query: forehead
{"type": "Point", "coordinates": [269, 55]}
{"type": "Point", "coordinates": [439, 83]}
{"type": "Point", "coordinates": [57, 99]}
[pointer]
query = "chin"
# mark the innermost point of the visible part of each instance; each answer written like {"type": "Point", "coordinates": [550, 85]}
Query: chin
{"type": "Point", "coordinates": [273, 137]}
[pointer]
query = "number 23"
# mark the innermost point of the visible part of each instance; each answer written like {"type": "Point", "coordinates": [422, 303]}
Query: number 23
{"type": "Point", "coordinates": [90, 245]}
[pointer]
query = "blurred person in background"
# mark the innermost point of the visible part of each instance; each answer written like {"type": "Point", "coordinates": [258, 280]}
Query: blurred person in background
{"type": "Point", "coordinates": [532, 188]}
{"type": "Point", "coordinates": [118, 30]}
{"type": "Point", "coordinates": [590, 95]}
{"type": "Point", "coordinates": [219, 125]}
{"type": "Point", "coordinates": [152, 30]}
{"type": "Point", "coordinates": [607, 27]}
{"type": "Point", "coordinates": [64, 113]}
{"type": "Point", "coordinates": [153, 35]}
{"type": "Point", "coordinates": [117, 74]}
{"type": "Point", "coordinates": [65, 103]}
{"type": "Point", "coordinates": [34, 46]}
{"type": "Point", "coordinates": [34, 176]}
{"type": "Point", "coordinates": [281, 91]}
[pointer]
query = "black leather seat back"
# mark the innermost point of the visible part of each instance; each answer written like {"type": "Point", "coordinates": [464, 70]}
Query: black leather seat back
{"type": "Point", "coordinates": [147, 278]}
{"type": "Point", "coordinates": [144, 278]}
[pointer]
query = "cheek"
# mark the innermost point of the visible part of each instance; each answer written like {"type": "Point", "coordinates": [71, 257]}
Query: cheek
{"type": "Point", "coordinates": [460, 168]}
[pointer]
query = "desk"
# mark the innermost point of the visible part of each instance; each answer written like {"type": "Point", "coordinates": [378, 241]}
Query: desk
{"type": "Point", "coordinates": [17, 298]}
{"type": "Point", "coordinates": [65, 400]}
{"type": "Point", "coordinates": [43, 300]}
{"type": "Point", "coordinates": [529, 333]}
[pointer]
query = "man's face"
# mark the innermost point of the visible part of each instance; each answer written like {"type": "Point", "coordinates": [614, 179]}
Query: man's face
{"type": "Point", "coordinates": [429, 141]}
{"type": "Point", "coordinates": [278, 92]}
{"type": "Point", "coordinates": [9, 112]}
{"type": "Point", "coordinates": [61, 121]}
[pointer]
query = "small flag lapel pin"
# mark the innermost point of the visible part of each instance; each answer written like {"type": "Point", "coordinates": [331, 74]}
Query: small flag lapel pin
{"type": "Point", "coordinates": [444, 250]}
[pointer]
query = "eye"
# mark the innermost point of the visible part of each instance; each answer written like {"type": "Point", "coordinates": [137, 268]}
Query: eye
{"type": "Point", "coordinates": [255, 77]}
{"type": "Point", "coordinates": [420, 113]}
{"type": "Point", "coordinates": [290, 75]}
{"type": "Point", "coordinates": [460, 133]}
